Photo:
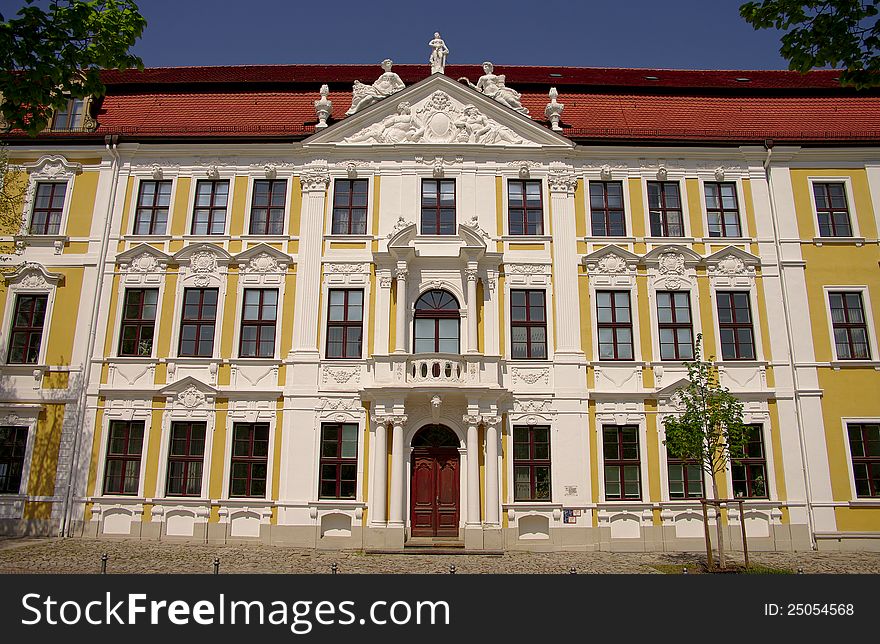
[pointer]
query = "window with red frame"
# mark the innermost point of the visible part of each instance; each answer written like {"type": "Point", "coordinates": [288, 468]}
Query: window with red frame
{"type": "Point", "coordinates": [13, 441]}
{"type": "Point", "coordinates": [436, 323]}
{"type": "Point", "coordinates": [186, 455]}
{"type": "Point", "coordinates": [749, 472]}
{"type": "Point", "coordinates": [345, 319]}
{"type": "Point", "coordinates": [664, 205]}
{"type": "Point", "coordinates": [832, 209]}
{"type": "Point", "coordinates": [258, 318]}
{"type": "Point", "coordinates": [531, 463]}
{"type": "Point", "coordinates": [614, 324]}
{"type": "Point", "coordinates": [26, 336]}
{"type": "Point", "coordinates": [123, 467]}
{"type": "Point", "coordinates": [349, 207]}
{"type": "Point", "coordinates": [525, 207]}
{"type": "Point", "coordinates": [48, 208]}
{"type": "Point", "coordinates": [339, 444]}
{"type": "Point", "coordinates": [528, 325]}
{"type": "Point", "coordinates": [850, 326]}
{"type": "Point", "coordinates": [685, 477]}
{"type": "Point", "coordinates": [864, 447]}
{"type": "Point", "coordinates": [209, 214]}
{"type": "Point", "coordinates": [197, 322]}
{"type": "Point", "coordinates": [438, 207]}
{"type": "Point", "coordinates": [267, 207]}
{"type": "Point", "coordinates": [623, 472]}
{"type": "Point", "coordinates": [606, 209]}
{"type": "Point", "coordinates": [250, 459]}
{"type": "Point", "coordinates": [722, 209]}
{"type": "Point", "coordinates": [138, 322]}
{"type": "Point", "coordinates": [674, 322]}
{"type": "Point", "coordinates": [151, 216]}
{"type": "Point", "coordinates": [735, 325]}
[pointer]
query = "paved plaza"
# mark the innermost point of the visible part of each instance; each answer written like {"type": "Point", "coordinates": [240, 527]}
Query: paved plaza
{"type": "Point", "coordinates": [84, 556]}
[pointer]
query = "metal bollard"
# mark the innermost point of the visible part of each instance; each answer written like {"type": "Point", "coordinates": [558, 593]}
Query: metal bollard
{"type": "Point", "coordinates": [104, 563]}
{"type": "Point", "coordinates": [572, 571]}
{"type": "Point", "coordinates": [333, 568]}
{"type": "Point", "coordinates": [800, 571]}
{"type": "Point", "coordinates": [684, 570]}
{"type": "Point", "coordinates": [451, 569]}
{"type": "Point", "coordinates": [217, 566]}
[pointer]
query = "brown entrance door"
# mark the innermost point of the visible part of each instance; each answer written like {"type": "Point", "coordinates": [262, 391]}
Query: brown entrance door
{"type": "Point", "coordinates": [434, 492]}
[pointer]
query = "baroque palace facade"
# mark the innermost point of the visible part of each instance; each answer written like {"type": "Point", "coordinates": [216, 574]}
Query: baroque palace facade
{"type": "Point", "coordinates": [421, 309]}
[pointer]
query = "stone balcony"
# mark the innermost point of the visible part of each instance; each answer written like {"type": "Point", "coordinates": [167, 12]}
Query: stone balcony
{"type": "Point", "coordinates": [469, 371]}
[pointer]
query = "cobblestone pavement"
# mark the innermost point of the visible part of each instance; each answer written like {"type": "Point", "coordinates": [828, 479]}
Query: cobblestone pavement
{"type": "Point", "coordinates": [84, 556]}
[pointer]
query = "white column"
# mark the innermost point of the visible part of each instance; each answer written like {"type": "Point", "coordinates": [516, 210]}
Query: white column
{"type": "Point", "coordinates": [473, 470]}
{"type": "Point", "coordinates": [565, 275]}
{"type": "Point", "coordinates": [380, 471]}
{"type": "Point", "coordinates": [395, 516]}
{"type": "Point", "coordinates": [472, 309]}
{"type": "Point", "coordinates": [493, 503]}
{"type": "Point", "coordinates": [400, 338]}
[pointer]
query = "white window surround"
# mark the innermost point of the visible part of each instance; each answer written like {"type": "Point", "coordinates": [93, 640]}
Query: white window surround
{"type": "Point", "coordinates": [634, 318]}
{"type": "Point", "coordinates": [48, 169]}
{"type": "Point", "coordinates": [846, 180]}
{"type": "Point", "coordinates": [672, 177]}
{"type": "Point", "coordinates": [241, 412]}
{"type": "Point", "coordinates": [696, 321]}
{"type": "Point", "coordinates": [30, 278]}
{"type": "Point", "coordinates": [260, 267]}
{"type": "Point", "coordinates": [253, 177]}
{"type": "Point", "coordinates": [122, 412]}
{"type": "Point", "coordinates": [745, 233]}
{"type": "Point", "coordinates": [345, 276]}
{"type": "Point", "coordinates": [139, 177]}
{"type": "Point", "coordinates": [844, 424]}
{"type": "Point", "coordinates": [370, 178]}
{"type": "Point", "coordinates": [20, 415]}
{"type": "Point", "coordinates": [869, 323]}
{"type": "Point", "coordinates": [761, 418]}
{"type": "Point", "coordinates": [528, 277]}
{"type": "Point", "coordinates": [221, 174]}
{"type": "Point", "coordinates": [756, 325]}
{"type": "Point", "coordinates": [142, 267]}
{"type": "Point", "coordinates": [664, 467]}
{"type": "Point", "coordinates": [531, 419]}
{"type": "Point", "coordinates": [638, 418]}
{"type": "Point", "coordinates": [539, 175]}
{"type": "Point", "coordinates": [618, 177]}
{"type": "Point", "coordinates": [355, 416]}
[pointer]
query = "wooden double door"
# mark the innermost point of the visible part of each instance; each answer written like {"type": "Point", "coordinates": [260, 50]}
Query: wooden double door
{"type": "Point", "coordinates": [434, 492]}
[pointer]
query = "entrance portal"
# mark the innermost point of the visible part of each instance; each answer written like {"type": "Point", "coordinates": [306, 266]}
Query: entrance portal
{"type": "Point", "coordinates": [434, 491]}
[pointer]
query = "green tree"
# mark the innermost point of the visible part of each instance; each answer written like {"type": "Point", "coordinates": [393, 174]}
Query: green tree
{"type": "Point", "coordinates": [49, 55]}
{"type": "Point", "coordinates": [709, 430]}
{"type": "Point", "coordinates": [824, 33]}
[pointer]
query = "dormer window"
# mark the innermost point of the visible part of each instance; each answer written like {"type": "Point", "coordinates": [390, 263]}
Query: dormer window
{"type": "Point", "coordinates": [69, 117]}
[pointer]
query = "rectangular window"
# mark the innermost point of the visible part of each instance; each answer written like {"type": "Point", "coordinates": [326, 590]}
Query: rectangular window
{"type": "Point", "coordinates": [339, 443]}
{"type": "Point", "coordinates": [123, 468]}
{"type": "Point", "coordinates": [623, 472]}
{"type": "Point", "coordinates": [749, 473]}
{"type": "Point", "coordinates": [531, 463]}
{"type": "Point", "coordinates": [186, 455]}
{"type": "Point", "coordinates": [258, 319]}
{"type": "Point", "coordinates": [138, 322]}
{"type": "Point", "coordinates": [438, 206]}
{"type": "Point", "coordinates": [850, 327]}
{"type": "Point", "coordinates": [614, 323]}
{"type": "Point", "coordinates": [48, 207]}
{"type": "Point", "coordinates": [70, 116]}
{"type": "Point", "coordinates": [722, 209]}
{"type": "Point", "coordinates": [209, 214]}
{"type": "Point", "coordinates": [350, 207]}
{"type": "Point", "coordinates": [674, 321]}
{"type": "Point", "coordinates": [26, 335]}
{"type": "Point", "coordinates": [267, 207]}
{"type": "Point", "coordinates": [197, 322]}
{"type": "Point", "coordinates": [735, 325]}
{"type": "Point", "coordinates": [13, 441]}
{"type": "Point", "coordinates": [154, 199]}
{"type": "Point", "coordinates": [345, 323]}
{"type": "Point", "coordinates": [832, 209]}
{"type": "Point", "coordinates": [864, 447]}
{"type": "Point", "coordinates": [525, 209]}
{"type": "Point", "coordinates": [606, 208]}
{"type": "Point", "coordinates": [250, 458]}
{"type": "Point", "coordinates": [664, 204]}
{"type": "Point", "coordinates": [528, 325]}
{"type": "Point", "coordinates": [685, 477]}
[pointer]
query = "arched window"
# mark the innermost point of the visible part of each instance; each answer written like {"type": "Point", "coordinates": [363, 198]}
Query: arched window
{"type": "Point", "coordinates": [436, 325]}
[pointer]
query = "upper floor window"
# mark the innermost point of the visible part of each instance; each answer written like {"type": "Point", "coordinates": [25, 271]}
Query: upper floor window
{"type": "Point", "coordinates": [528, 325]}
{"type": "Point", "coordinates": [26, 336]}
{"type": "Point", "coordinates": [614, 325]}
{"type": "Point", "coordinates": [735, 325]}
{"type": "Point", "coordinates": [350, 207]}
{"type": "Point", "coordinates": [438, 206]}
{"type": "Point", "coordinates": [525, 207]}
{"type": "Point", "coordinates": [436, 324]}
{"type": "Point", "coordinates": [850, 327]}
{"type": "Point", "coordinates": [531, 463]}
{"type": "Point", "coordinates": [138, 322]}
{"type": "Point", "coordinates": [345, 319]}
{"type": "Point", "coordinates": [48, 209]}
{"type": "Point", "coordinates": [832, 210]}
{"type": "Point", "coordinates": [70, 116]}
{"type": "Point", "coordinates": [606, 209]}
{"type": "Point", "coordinates": [722, 209]}
{"type": "Point", "coordinates": [267, 207]}
{"type": "Point", "coordinates": [864, 448]}
{"type": "Point", "coordinates": [258, 318]}
{"type": "Point", "coordinates": [250, 460]}
{"type": "Point", "coordinates": [623, 473]}
{"type": "Point", "coordinates": [674, 321]}
{"type": "Point", "coordinates": [197, 322]}
{"type": "Point", "coordinates": [151, 217]}
{"type": "Point", "coordinates": [123, 467]}
{"type": "Point", "coordinates": [339, 444]}
{"type": "Point", "coordinates": [209, 214]}
{"type": "Point", "coordinates": [664, 204]}
{"type": "Point", "coordinates": [186, 454]}
{"type": "Point", "coordinates": [749, 473]}
{"type": "Point", "coordinates": [13, 441]}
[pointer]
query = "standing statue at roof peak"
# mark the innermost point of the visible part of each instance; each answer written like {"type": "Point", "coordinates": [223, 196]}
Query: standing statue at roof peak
{"type": "Point", "coordinates": [492, 85]}
{"type": "Point", "coordinates": [363, 95]}
{"type": "Point", "coordinates": [439, 51]}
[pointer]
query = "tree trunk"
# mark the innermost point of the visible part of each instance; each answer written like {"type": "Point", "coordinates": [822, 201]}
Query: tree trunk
{"type": "Point", "coordinates": [718, 528]}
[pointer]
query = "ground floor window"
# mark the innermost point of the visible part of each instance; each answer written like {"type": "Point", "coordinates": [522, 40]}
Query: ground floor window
{"type": "Point", "coordinates": [864, 447]}
{"type": "Point", "coordinates": [623, 472]}
{"type": "Point", "coordinates": [123, 468]}
{"type": "Point", "coordinates": [13, 441]}
{"type": "Point", "coordinates": [250, 460]}
{"type": "Point", "coordinates": [186, 454]}
{"type": "Point", "coordinates": [338, 460]}
{"type": "Point", "coordinates": [750, 471]}
{"type": "Point", "coordinates": [531, 463]}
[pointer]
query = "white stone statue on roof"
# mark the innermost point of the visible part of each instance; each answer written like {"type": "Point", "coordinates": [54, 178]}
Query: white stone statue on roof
{"type": "Point", "coordinates": [365, 95]}
{"type": "Point", "coordinates": [492, 85]}
{"type": "Point", "coordinates": [439, 52]}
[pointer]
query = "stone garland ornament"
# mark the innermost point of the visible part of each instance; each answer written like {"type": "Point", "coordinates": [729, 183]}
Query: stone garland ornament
{"type": "Point", "coordinates": [191, 398]}
{"type": "Point", "coordinates": [611, 263]}
{"type": "Point", "coordinates": [202, 264]}
{"type": "Point", "coordinates": [262, 263]}
{"type": "Point", "coordinates": [492, 85]}
{"type": "Point", "coordinates": [731, 265]}
{"type": "Point", "coordinates": [362, 96]}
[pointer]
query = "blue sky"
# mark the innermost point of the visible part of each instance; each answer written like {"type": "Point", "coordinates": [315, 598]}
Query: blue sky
{"type": "Point", "coordinates": [688, 34]}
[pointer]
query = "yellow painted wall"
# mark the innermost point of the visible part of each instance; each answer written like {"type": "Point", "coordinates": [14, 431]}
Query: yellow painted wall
{"type": "Point", "coordinates": [181, 206]}
{"type": "Point", "coordinates": [229, 321]}
{"type": "Point", "coordinates": [695, 207]}
{"type": "Point", "coordinates": [861, 211]}
{"type": "Point", "coordinates": [44, 459]}
{"type": "Point", "coordinates": [295, 206]}
{"type": "Point", "coordinates": [152, 486]}
{"type": "Point", "coordinates": [82, 204]}
{"type": "Point", "coordinates": [218, 450]}
{"type": "Point", "coordinates": [637, 208]}
{"type": "Point", "coordinates": [125, 226]}
{"type": "Point", "coordinates": [59, 346]}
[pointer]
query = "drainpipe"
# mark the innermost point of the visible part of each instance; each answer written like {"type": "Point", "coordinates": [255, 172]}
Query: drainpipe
{"type": "Point", "coordinates": [110, 142]}
{"type": "Point", "coordinates": [805, 465]}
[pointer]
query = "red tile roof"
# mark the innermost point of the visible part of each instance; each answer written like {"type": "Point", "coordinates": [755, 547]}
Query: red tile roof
{"type": "Point", "coordinates": [257, 101]}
